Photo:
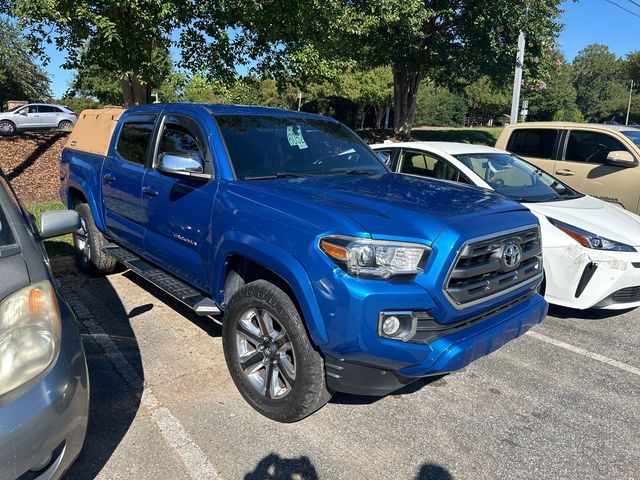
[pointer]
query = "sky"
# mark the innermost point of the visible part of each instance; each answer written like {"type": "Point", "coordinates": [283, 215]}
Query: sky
{"type": "Point", "coordinates": [585, 22]}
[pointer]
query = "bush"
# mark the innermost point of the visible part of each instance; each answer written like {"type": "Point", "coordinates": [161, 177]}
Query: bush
{"type": "Point", "coordinates": [439, 107]}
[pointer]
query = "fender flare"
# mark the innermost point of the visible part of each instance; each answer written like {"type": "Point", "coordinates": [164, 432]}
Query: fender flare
{"type": "Point", "coordinates": [91, 201]}
{"type": "Point", "coordinates": [280, 262]}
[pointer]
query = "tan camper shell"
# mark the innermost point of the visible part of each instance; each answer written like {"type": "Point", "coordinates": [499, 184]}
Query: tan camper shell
{"type": "Point", "coordinates": [94, 130]}
{"type": "Point", "coordinates": [599, 160]}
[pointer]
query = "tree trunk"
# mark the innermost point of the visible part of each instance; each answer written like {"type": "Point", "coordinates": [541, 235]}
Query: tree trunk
{"type": "Point", "coordinates": [405, 96]}
{"type": "Point", "coordinates": [134, 92]}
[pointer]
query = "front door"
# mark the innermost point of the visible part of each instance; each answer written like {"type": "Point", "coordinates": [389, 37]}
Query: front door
{"type": "Point", "coordinates": [122, 176]}
{"type": "Point", "coordinates": [28, 117]}
{"type": "Point", "coordinates": [179, 207]}
{"type": "Point", "coordinates": [584, 168]}
{"type": "Point", "coordinates": [536, 145]}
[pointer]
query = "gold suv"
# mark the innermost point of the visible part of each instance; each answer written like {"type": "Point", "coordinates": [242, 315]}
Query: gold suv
{"type": "Point", "coordinates": [599, 160]}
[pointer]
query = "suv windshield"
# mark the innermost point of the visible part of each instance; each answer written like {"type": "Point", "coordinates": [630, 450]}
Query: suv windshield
{"type": "Point", "coordinates": [515, 178]}
{"type": "Point", "coordinates": [633, 135]}
{"type": "Point", "coordinates": [262, 147]}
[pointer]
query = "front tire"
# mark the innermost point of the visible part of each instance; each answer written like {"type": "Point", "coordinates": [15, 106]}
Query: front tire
{"type": "Point", "coordinates": [88, 243]}
{"type": "Point", "coordinates": [269, 355]}
{"type": "Point", "coordinates": [7, 128]}
{"type": "Point", "coordinates": [65, 125]}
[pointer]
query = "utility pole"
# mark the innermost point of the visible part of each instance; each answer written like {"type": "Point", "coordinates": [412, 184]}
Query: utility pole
{"type": "Point", "coordinates": [299, 100]}
{"type": "Point", "coordinates": [517, 78]}
{"type": "Point", "coordinates": [629, 106]}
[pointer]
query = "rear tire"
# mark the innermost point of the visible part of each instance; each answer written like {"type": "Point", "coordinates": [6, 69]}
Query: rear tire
{"type": "Point", "coordinates": [88, 243]}
{"type": "Point", "coordinates": [65, 125]}
{"type": "Point", "coordinates": [7, 128]}
{"type": "Point", "coordinates": [269, 355]}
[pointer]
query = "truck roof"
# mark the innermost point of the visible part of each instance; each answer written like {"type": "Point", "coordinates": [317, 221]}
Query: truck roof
{"type": "Point", "coordinates": [94, 129]}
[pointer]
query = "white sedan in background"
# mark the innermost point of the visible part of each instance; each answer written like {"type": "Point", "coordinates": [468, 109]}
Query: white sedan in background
{"type": "Point", "coordinates": [591, 249]}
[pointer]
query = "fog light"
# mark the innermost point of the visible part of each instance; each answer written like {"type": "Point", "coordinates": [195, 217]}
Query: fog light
{"type": "Point", "coordinates": [390, 325]}
{"type": "Point", "coordinates": [397, 325]}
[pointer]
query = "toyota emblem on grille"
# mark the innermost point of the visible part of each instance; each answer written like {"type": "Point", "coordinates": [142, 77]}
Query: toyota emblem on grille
{"type": "Point", "coordinates": [511, 255]}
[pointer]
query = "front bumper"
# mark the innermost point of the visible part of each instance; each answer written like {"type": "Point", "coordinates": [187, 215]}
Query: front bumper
{"type": "Point", "coordinates": [450, 352]}
{"type": "Point", "coordinates": [582, 278]}
{"type": "Point", "coordinates": [48, 415]}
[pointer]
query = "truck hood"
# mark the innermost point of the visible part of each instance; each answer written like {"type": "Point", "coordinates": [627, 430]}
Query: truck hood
{"type": "Point", "coordinates": [595, 216]}
{"type": "Point", "coordinates": [381, 204]}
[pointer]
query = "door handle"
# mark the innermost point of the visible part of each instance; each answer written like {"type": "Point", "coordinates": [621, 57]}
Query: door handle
{"type": "Point", "coordinates": [108, 178]}
{"type": "Point", "coordinates": [565, 172]}
{"type": "Point", "coordinates": [150, 192]}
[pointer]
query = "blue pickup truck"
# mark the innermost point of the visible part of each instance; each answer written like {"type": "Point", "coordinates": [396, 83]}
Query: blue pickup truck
{"type": "Point", "coordinates": [329, 272]}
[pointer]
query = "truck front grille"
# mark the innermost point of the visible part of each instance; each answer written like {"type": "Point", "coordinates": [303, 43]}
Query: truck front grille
{"type": "Point", "coordinates": [493, 265]}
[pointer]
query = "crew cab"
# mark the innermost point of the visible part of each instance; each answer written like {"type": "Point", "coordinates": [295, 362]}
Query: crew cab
{"type": "Point", "coordinates": [327, 271]}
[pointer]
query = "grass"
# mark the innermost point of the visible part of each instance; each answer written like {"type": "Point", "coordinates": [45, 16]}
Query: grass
{"type": "Point", "coordinates": [57, 246]}
{"type": "Point", "coordinates": [477, 135]}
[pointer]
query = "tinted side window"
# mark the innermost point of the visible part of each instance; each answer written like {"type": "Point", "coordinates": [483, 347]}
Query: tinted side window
{"type": "Point", "coordinates": [134, 139]}
{"type": "Point", "coordinates": [47, 109]}
{"type": "Point", "coordinates": [32, 109]}
{"type": "Point", "coordinates": [180, 137]}
{"type": "Point", "coordinates": [423, 164]}
{"type": "Point", "coordinates": [590, 147]}
{"type": "Point", "coordinates": [533, 142]}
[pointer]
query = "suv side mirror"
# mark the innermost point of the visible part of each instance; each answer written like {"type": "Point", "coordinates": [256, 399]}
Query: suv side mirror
{"type": "Point", "coordinates": [59, 222]}
{"type": "Point", "coordinates": [621, 158]}
{"type": "Point", "coordinates": [187, 164]}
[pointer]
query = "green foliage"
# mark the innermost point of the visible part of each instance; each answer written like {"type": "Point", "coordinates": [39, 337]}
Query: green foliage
{"type": "Point", "coordinates": [438, 106]}
{"type": "Point", "coordinates": [599, 78]}
{"type": "Point", "coordinates": [60, 245]}
{"type": "Point", "coordinates": [486, 100]}
{"type": "Point", "coordinates": [20, 77]}
{"type": "Point", "coordinates": [78, 104]}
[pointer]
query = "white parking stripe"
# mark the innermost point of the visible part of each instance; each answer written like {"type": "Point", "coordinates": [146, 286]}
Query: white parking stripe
{"type": "Point", "coordinates": [581, 351]}
{"type": "Point", "coordinates": [192, 456]}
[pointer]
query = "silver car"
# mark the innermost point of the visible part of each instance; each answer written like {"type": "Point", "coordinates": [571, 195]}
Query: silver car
{"type": "Point", "coordinates": [36, 116]}
{"type": "Point", "coordinates": [44, 386]}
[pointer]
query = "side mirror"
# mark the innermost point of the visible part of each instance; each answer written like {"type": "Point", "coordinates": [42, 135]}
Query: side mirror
{"type": "Point", "coordinates": [23, 113]}
{"type": "Point", "coordinates": [187, 164]}
{"type": "Point", "coordinates": [621, 158]}
{"type": "Point", "coordinates": [59, 222]}
{"type": "Point", "coordinates": [385, 157]}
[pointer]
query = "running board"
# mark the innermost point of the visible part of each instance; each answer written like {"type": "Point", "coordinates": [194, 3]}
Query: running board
{"type": "Point", "coordinates": [176, 288]}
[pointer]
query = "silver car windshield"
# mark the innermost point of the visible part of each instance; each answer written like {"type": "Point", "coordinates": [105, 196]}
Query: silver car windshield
{"type": "Point", "coordinates": [517, 179]}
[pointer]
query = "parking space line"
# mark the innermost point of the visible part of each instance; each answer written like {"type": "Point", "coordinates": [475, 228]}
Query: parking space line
{"type": "Point", "coordinates": [581, 351]}
{"type": "Point", "coordinates": [192, 456]}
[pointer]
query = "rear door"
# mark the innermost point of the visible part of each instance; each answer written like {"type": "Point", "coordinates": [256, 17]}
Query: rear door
{"type": "Point", "coordinates": [49, 115]}
{"type": "Point", "coordinates": [122, 176]}
{"type": "Point", "coordinates": [179, 207]}
{"type": "Point", "coordinates": [583, 166]}
{"type": "Point", "coordinates": [537, 145]}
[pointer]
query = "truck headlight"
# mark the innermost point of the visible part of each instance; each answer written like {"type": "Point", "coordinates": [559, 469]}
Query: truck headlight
{"type": "Point", "coordinates": [30, 330]}
{"type": "Point", "coordinates": [591, 240]}
{"type": "Point", "coordinates": [363, 257]}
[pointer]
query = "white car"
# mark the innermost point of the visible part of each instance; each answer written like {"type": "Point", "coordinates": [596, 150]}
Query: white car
{"type": "Point", "coordinates": [36, 116]}
{"type": "Point", "coordinates": [591, 248]}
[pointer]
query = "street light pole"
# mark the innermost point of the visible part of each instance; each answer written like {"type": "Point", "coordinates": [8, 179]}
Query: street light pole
{"type": "Point", "coordinates": [517, 79]}
{"type": "Point", "coordinates": [629, 106]}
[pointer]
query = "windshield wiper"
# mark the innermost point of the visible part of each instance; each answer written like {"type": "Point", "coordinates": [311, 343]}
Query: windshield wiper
{"type": "Point", "coordinates": [278, 175]}
{"type": "Point", "coordinates": [355, 171]}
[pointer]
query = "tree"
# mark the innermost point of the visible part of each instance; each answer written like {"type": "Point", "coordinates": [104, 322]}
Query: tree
{"type": "Point", "coordinates": [438, 106]}
{"type": "Point", "coordinates": [486, 100]}
{"type": "Point", "coordinates": [599, 78]}
{"type": "Point", "coordinates": [20, 77]}
{"type": "Point", "coordinates": [122, 37]}
{"type": "Point", "coordinates": [554, 99]}
{"type": "Point", "coordinates": [444, 40]}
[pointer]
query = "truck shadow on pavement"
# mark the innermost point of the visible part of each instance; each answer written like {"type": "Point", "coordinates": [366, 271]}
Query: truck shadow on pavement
{"type": "Point", "coordinates": [430, 382]}
{"type": "Point", "coordinates": [274, 467]}
{"type": "Point", "coordinates": [113, 404]}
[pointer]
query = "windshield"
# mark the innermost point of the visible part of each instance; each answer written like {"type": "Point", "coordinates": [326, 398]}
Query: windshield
{"type": "Point", "coordinates": [515, 178]}
{"type": "Point", "coordinates": [270, 147]}
{"type": "Point", "coordinates": [633, 135]}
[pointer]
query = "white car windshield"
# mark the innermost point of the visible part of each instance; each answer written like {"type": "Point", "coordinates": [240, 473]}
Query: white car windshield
{"type": "Point", "coordinates": [515, 178]}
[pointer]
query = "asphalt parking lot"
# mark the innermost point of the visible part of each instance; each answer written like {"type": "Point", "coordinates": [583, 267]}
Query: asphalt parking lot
{"type": "Point", "coordinates": [562, 402]}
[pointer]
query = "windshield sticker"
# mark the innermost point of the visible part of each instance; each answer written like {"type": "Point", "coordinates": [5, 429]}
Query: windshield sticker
{"type": "Point", "coordinates": [295, 138]}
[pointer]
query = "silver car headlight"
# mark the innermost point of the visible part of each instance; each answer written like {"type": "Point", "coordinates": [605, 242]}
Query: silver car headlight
{"type": "Point", "coordinates": [363, 257]}
{"type": "Point", "coordinates": [591, 240]}
{"type": "Point", "coordinates": [30, 329]}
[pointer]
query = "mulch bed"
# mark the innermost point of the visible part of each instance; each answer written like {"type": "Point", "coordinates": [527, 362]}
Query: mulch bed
{"type": "Point", "coordinates": [31, 162]}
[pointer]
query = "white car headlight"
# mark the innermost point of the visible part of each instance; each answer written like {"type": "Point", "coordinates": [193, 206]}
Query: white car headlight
{"type": "Point", "coordinates": [30, 329]}
{"type": "Point", "coordinates": [591, 240]}
{"type": "Point", "coordinates": [363, 257]}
